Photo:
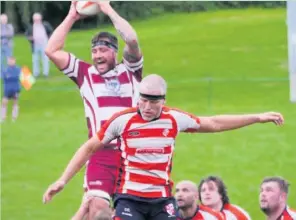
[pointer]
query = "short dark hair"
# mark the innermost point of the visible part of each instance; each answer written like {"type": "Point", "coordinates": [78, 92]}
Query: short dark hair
{"type": "Point", "coordinates": [105, 35]}
{"type": "Point", "coordinates": [222, 190]}
{"type": "Point", "coordinates": [283, 184]}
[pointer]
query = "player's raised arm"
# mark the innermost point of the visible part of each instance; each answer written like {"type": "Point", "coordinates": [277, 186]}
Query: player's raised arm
{"type": "Point", "coordinates": [107, 133]}
{"type": "Point", "coordinates": [230, 122]}
{"type": "Point", "coordinates": [76, 163]}
{"type": "Point", "coordinates": [132, 52]}
{"type": "Point", "coordinates": [54, 49]}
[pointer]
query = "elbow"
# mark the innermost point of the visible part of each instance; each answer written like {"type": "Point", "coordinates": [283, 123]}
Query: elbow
{"type": "Point", "coordinates": [132, 40]}
{"type": "Point", "coordinates": [48, 51]}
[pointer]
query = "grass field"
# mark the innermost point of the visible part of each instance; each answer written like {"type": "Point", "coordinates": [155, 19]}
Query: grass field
{"type": "Point", "coordinates": [217, 62]}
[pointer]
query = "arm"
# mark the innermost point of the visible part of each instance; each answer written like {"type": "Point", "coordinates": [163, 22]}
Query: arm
{"type": "Point", "coordinates": [10, 33]}
{"type": "Point", "coordinates": [80, 158]}
{"type": "Point", "coordinates": [49, 28]}
{"type": "Point", "coordinates": [54, 49]}
{"type": "Point", "coordinates": [108, 132]}
{"type": "Point", "coordinates": [190, 123]}
{"type": "Point", "coordinates": [230, 122]}
{"type": "Point", "coordinates": [76, 163]}
{"type": "Point", "coordinates": [132, 52]}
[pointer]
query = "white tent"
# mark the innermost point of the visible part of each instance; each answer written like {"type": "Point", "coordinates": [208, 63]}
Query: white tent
{"type": "Point", "coordinates": [291, 22]}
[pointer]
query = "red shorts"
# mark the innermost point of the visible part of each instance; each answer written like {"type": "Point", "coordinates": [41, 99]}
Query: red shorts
{"type": "Point", "coordinates": [101, 173]}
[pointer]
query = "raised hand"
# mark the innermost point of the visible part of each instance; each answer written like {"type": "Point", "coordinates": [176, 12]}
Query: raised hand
{"type": "Point", "coordinates": [274, 117]}
{"type": "Point", "coordinates": [53, 190]}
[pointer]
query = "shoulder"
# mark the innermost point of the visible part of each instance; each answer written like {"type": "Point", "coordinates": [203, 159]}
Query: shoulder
{"type": "Point", "coordinates": [291, 212]}
{"type": "Point", "coordinates": [211, 212]}
{"type": "Point", "coordinates": [122, 115]}
{"type": "Point", "coordinates": [178, 113]}
{"type": "Point", "coordinates": [237, 211]}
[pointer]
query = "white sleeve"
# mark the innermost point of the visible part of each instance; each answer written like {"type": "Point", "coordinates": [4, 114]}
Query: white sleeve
{"type": "Point", "coordinates": [72, 69]}
{"type": "Point", "coordinates": [134, 67]}
{"type": "Point", "coordinates": [111, 129]}
{"type": "Point", "coordinates": [186, 122]}
{"type": "Point", "coordinates": [76, 69]}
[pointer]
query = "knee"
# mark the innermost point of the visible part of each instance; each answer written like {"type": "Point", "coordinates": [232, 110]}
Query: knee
{"type": "Point", "coordinates": [4, 101]}
{"type": "Point", "coordinates": [98, 207]}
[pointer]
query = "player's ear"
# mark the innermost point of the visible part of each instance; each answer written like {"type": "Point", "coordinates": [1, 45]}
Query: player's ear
{"type": "Point", "coordinates": [284, 196]}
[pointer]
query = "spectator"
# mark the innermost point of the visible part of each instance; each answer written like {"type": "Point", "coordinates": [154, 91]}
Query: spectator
{"type": "Point", "coordinates": [7, 33]}
{"type": "Point", "coordinates": [38, 35]}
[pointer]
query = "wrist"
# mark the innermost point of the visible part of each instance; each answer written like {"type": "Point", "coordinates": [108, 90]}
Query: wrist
{"type": "Point", "coordinates": [110, 11]}
{"type": "Point", "coordinates": [257, 118]}
{"type": "Point", "coordinates": [70, 19]}
{"type": "Point", "coordinates": [62, 180]}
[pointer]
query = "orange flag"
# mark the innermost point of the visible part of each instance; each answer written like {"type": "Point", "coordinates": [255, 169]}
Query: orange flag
{"type": "Point", "coordinates": [26, 78]}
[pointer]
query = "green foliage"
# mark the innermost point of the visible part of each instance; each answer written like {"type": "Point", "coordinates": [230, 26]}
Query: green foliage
{"type": "Point", "coordinates": [55, 11]}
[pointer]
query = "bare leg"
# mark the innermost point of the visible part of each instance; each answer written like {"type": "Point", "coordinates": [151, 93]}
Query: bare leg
{"type": "Point", "coordinates": [4, 108]}
{"type": "Point", "coordinates": [15, 108]}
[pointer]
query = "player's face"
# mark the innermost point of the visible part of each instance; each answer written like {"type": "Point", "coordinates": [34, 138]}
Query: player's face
{"type": "Point", "coordinates": [150, 109]}
{"type": "Point", "coordinates": [270, 196]}
{"type": "Point", "coordinates": [104, 58]}
{"type": "Point", "coordinates": [185, 196]}
{"type": "Point", "coordinates": [11, 61]}
{"type": "Point", "coordinates": [209, 194]}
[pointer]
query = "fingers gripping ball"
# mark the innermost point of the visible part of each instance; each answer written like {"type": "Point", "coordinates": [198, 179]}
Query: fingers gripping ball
{"type": "Point", "coordinates": [87, 8]}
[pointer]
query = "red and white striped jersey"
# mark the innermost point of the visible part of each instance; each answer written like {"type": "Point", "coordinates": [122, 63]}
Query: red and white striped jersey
{"type": "Point", "coordinates": [234, 212]}
{"type": "Point", "coordinates": [204, 213]}
{"type": "Point", "coordinates": [288, 214]}
{"type": "Point", "coordinates": [146, 149]}
{"type": "Point", "coordinates": [104, 95]}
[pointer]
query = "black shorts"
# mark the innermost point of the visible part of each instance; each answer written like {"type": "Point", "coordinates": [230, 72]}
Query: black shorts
{"type": "Point", "coordinates": [128, 209]}
{"type": "Point", "coordinates": [11, 94]}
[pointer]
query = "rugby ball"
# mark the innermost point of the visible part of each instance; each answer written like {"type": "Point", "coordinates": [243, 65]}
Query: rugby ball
{"type": "Point", "coordinates": [87, 8]}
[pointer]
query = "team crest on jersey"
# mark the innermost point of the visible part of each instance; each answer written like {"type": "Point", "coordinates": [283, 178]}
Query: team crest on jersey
{"type": "Point", "coordinates": [112, 84]}
{"type": "Point", "coordinates": [166, 132]}
{"type": "Point", "coordinates": [170, 209]}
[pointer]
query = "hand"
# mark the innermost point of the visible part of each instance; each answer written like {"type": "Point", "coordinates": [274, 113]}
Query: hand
{"type": "Point", "coordinates": [73, 14]}
{"type": "Point", "coordinates": [274, 117]}
{"type": "Point", "coordinates": [104, 6]}
{"type": "Point", "coordinates": [53, 190]}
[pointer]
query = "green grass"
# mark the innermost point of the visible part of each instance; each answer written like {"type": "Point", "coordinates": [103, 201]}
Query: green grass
{"type": "Point", "coordinates": [243, 52]}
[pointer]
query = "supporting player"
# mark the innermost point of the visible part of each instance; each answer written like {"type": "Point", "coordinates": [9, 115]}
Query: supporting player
{"type": "Point", "coordinates": [273, 199]}
{"type": "Point", "coordinates": [187, 196]}
{"type": "Point", "coordinates": [213, 194]}
{"type": "Point", "coordinates": [148, 133]}
{"type": "Point", "coordinates": [106, 87]}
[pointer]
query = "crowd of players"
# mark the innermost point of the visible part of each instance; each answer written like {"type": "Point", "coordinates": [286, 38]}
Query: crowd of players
{"type": "Point", "coordinates": [128, 155]}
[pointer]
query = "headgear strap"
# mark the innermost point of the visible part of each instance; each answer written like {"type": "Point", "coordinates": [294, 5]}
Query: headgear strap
{"type": "Point", "coordinates": [104, 43]}
{"type": "Point", "coordinates": [152, 97]}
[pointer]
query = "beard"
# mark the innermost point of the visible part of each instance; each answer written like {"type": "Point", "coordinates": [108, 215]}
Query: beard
{"type": "Point", "coordinates": [107, 66]}
{"type": "Point", "coordinates": [266, 210]}
{"type": "Point", "coordinates": [184, 205]}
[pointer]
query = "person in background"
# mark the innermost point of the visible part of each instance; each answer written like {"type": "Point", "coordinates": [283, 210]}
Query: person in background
{"type": "Point", "coordinates": [12, 87]}
{"type": "Point", "coordinates": [213, 194]}
{"type": "Point", "coordinates": [273, 199]}
{"type": "Point", "coordinates": [7, 33]}
{"type": "Point", "coordinates": [186, 197]}
{"type": "Point", "coordinates": [38, 35]}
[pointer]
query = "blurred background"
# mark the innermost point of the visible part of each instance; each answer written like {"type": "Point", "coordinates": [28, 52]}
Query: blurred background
{"type": "Point", "coordinates": [217, 57]}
